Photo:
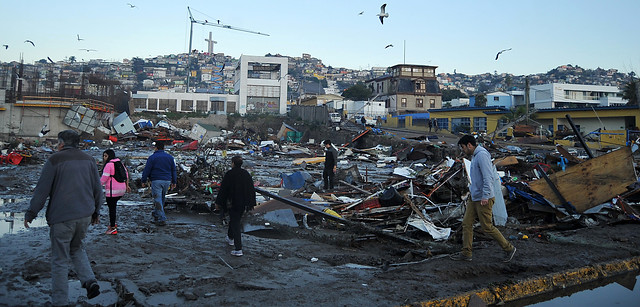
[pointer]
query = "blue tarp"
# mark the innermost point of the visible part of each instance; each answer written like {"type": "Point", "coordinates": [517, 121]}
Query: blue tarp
{"type": "Point", "coordinates": [295, 180]}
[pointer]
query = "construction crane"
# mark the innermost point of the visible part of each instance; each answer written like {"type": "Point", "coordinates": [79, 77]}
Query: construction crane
{"type": "Point", "coordinates": [207, 23]}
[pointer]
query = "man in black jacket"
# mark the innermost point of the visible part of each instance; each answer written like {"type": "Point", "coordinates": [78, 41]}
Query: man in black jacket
{"type": "Point", "coordinates": [237, 189]}
{"type": "Point", "coordinates": [330, 165]}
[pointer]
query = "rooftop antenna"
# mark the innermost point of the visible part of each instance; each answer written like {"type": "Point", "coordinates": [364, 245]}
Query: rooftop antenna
{"type": "Point", "coordinates": [213, 24]}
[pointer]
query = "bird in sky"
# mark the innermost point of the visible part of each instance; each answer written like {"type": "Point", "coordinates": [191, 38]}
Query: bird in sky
{"type": "Point", "coordinates": [87, 50]}
{"type": "Point", "coordinates": [28, 41]}
{"type": "Point", "coordinates": [50, 60]}
{"type": "Point", "coordinates": [79, 39]}
{"type": "Point", "coordinates": [501, 51]}
{"type": "Point", "coordinates": [387, 46]}
{"type": "Point", "coordinates": [361, 13]}
{"type": "Point", "coordinates": [131, 5]}
{"type": "Point", "coordinates": [5, 46]}
{"type": "Point", "coordinates": [383, 14]}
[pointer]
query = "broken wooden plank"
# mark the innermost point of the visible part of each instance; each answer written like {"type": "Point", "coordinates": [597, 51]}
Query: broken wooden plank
{"type": "Point", "coordinates": [355, 188]}
{"type": "Point", "coordinates": [592, 182]}
{"type": "Point", "coordinates": [565, 153]}
{"type": "Point", "coordinates": [509, 160]}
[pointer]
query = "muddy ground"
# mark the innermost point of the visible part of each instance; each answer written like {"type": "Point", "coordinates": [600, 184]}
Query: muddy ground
{"type": "Point", "coordinates": [187, 262]}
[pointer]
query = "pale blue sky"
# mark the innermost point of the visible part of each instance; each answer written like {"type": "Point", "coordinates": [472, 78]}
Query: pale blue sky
{"type": "Point", "coordinates": [459, 34]}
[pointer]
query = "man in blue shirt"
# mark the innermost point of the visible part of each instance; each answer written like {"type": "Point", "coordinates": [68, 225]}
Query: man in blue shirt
{"type": "Point", "coordinates": [482, 199]}
{"type": "Point", "coordinates": [161, 171]}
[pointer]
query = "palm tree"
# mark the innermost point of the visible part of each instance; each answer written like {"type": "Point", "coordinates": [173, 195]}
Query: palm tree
{"type": "Point", "coordinates": [630, 92]}
{"type": "Point", "coordinates": [72, 59]}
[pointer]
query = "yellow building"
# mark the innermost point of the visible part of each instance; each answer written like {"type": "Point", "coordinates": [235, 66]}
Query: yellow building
{"type": "Point", "coordinates": [609, 125]}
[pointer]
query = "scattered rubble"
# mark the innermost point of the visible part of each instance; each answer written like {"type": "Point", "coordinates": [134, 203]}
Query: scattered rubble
{"type": "Point", "coordinates": [412, 192]}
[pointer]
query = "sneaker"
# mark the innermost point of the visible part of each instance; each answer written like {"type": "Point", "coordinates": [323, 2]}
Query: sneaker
{"type": "Point", "coordinates": [112, 231]}
{"type": "Point", "coordinates": [509, 255]}
{"type": "Point", "coordinates": [109, 229]}
{"type": "Point", "coordinates": [93, 289]}
{"type": "Point", "coordinates": [236, 253]}
{"type": "Point", "coordinates": [229, 241]}
{"type": "Point", "coordinates": [460, 257]}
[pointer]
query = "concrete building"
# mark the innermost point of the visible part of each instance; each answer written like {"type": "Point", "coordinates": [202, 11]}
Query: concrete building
{"type": "Point", "coordinates": [560, 95]}
{"type": "Point", "coordinates": [261, 84]}
{"type": "Point", "coordinates": [499, 99]}
{"type": "Point", "coordinates": [184, 102]}
{"type": "Point", "coordinates": [408, 89]}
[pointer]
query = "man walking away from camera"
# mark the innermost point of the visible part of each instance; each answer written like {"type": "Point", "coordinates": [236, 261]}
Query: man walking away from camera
{"type": "Point", "coordinates": [482, 199]}
{"type": "Point", "coordinates": [71, 182]}
{"type": "Point", "coordinates": [161, 171]}
{"type": "Point", "coordinates": [237, 190]}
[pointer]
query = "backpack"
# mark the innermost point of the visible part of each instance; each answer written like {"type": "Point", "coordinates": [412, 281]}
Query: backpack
{"type": "Point", "coordinates": [119, 173]}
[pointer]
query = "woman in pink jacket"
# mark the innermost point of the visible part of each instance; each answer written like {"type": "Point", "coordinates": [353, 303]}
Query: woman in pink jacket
{"type": "Point", "coordinates": [113, 189]}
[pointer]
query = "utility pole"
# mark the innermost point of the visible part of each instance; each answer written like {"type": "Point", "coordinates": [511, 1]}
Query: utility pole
{"type": "Point", "coordinates": [207, 23]}
{"type": "Point", "coordinates": [526, 97]}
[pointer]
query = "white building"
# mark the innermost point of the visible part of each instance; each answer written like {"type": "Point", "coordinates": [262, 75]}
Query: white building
{"type": "Point", "coordinates": [560, 95]}
{"type": "Point", "coordinates": [261, 84]}
{"type": "Point", "coordinates": [184, 102]}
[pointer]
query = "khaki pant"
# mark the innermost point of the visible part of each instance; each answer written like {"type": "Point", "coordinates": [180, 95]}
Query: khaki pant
{"type": "Point", "coordinates": [484, 214]}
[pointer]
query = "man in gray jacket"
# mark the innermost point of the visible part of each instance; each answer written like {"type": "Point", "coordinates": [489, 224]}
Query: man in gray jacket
{"type": "Point", "coordinates": [482, 199]}
{"type": "Point", "coordinates": [71, 182]}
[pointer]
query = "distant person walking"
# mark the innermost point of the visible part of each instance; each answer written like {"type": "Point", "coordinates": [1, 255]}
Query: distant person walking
{"type": "Point", "coordinates": [115, 180]}
{"type": "Point", "coordinates": [482, 199]}
{"type": "Point", "coordinates": [236, 190]}
{"type": "Point", "coordinates": [330, 165]}
{"type": "Point", "coordinates": [430, 123]}
{"type": "Point", "coordinates": [435, 124]}
{"type": "Point", "coordinates": [161, 171]}
{"type": "Point", "coordinates": [71, 182]}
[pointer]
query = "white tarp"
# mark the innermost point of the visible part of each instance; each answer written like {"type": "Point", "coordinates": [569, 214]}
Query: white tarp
{"type": "Point", "coordinates": [499, 208]}
{"type": "Point", "coordinates": [438, 233]}
{"type": "Point", "coordinates": [406, 172]}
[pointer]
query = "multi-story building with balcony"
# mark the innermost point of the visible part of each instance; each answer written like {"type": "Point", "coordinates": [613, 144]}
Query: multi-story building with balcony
{"type": "Point", "coordinates": [560, 95]}
{"type": "Point", "coordinates": [407, 89]}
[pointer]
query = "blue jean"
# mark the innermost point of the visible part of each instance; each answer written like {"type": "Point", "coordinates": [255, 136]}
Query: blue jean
{"type": "Point", "coordinates": [66, 244]}
{"type": "Point", "coordinates": [159, 189]}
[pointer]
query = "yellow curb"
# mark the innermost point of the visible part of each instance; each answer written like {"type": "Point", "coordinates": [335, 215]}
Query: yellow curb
{"type": "Point", "coordinates": [538, 285]}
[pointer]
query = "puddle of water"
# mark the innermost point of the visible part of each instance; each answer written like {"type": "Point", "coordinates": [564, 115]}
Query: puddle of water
{"type": "Point", "coordinates": [616, 291]}
{"type": "Point", "coordinates": [12, 222]}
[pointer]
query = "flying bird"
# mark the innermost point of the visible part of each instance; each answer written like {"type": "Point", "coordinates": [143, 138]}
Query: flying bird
{"type": "Point", "coordinates": [387, 46]}
{"type": "Point", "coordinates": [5, 46]}
{"type": "Point", "coordinates": [361, 13]}
{"type": "Point", "coordinates": [50, 60]}
{"type": "Point", "coordinates": [87, 50]}
{"type": "Point", "coordinates": [383, 14]}
{"type": "Point", "coordinates": [28, 41]}
{"type": "Point", "coordinates": [501, 51]}
{"type": "Point", "coordinates": [79, 39]}
{"type": "Point", "coordinates": [131, 5]}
